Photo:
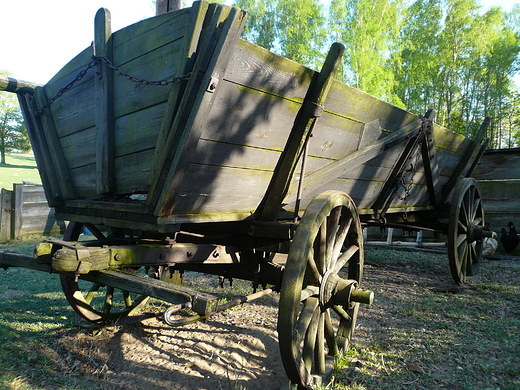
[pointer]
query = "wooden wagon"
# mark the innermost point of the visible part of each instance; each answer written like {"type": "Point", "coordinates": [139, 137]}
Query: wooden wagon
{"type": "Point", "coordinates": [196, 150]}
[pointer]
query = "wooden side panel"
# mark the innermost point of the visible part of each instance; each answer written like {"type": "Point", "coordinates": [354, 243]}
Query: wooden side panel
{"type": "Point", "coordinates": [249, 123]}
{"type": "Point", "coordinates": [498, 176]}
{"type": "Point", "coordinates": [154, 49]}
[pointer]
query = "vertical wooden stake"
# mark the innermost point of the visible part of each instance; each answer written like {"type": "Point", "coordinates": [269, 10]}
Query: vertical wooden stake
{"type": "Point", "coordinates": [104, 104]}
{"type": "Point", "coordinates": [163, 6]}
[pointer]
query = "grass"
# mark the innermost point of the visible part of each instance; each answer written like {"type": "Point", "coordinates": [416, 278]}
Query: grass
{"type": "Point", "coordinates": [423, 339]}
{"type": "Point", "coordinates": [412, 337]}
{"type": "Point", "coordinates": [18, 167]}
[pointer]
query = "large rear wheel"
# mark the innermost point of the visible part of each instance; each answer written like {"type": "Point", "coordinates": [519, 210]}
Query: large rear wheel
{"type": "Point", "coordinates": [466, 230]}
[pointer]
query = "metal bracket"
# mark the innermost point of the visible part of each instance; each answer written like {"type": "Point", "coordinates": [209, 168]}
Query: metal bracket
{"type": "Point", "coordinates": [313, 109]}
{"type": "Point", "coordinates": [212, 86]}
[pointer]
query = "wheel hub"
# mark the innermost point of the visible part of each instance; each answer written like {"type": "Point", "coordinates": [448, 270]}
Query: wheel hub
{"type": "Point", "coordinates": [337, 291]}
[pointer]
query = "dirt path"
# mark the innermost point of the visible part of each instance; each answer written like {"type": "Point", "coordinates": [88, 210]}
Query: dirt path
{"type": "Point", "coordinates": [236, 348]}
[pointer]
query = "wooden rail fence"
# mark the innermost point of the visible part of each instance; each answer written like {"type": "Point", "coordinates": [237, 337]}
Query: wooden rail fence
{"type": "Point", "coordinates": [24, 211]}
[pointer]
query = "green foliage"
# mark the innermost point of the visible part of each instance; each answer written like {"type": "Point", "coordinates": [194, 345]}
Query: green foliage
{"type": "Point", "coordinates": [295, 29]}
{"type": "Point", "coordinates": [449, 55]}
{"type": "Point", "coordinates": [370, 31]}
{"type": "Point", "coordinates": [13, 134]}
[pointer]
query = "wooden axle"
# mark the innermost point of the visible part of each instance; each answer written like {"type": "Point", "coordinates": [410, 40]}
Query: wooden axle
{"type": "Point", "coordinates": [9, 84]}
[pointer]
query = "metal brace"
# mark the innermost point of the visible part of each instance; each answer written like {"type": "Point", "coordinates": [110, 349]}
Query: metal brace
{"type": "Point", "coordinates": [313, 109]}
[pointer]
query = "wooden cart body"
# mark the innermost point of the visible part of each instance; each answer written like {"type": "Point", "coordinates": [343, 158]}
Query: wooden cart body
{"type": "Point", "coordinates": [116, 151]}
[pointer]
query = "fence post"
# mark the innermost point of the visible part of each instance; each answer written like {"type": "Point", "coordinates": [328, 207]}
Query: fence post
{"type": "Point", "coordinates": [6, 206]}
{"type": "Point", "coordinates": [17, 210]}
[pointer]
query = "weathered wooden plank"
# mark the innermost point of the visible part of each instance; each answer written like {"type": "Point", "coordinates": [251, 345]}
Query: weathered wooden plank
{"type": "Point", "coordinates": [39, 146]}
{"type": "Point", "coordinates": [245, 116]}
{"type": "Point", "coordinates": [499, 164]}
{"type": "Point", "coordinates": [10, 84]}
{"type": "Point", "coordinates": [462, 165]}
{"type": "Point", "coordinates": [231, 191]}
{"type": "Point", "coordinates": [322, 177]}
{"type": "Point", "coordinates": [186, 61]}
{"type": "Point", "coordinates": [299, 135]}
{"type": "Point", "coordinates": [6, 206]}
{"type": "Point", "coordinates": [265, 71]}
{"type": "Point", "coordinates": [209, 67]}
{"type": "Point", "coordinates": [133, 172]}
{"type": "Point", "coordinates": [64, 189]}
{"type": "Point", "coordinates": [104, 99]}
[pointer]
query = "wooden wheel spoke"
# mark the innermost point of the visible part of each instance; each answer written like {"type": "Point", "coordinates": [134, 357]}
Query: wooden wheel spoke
{"type": "Point", "coordinates": [310, 341]}
{"type": "Point", "coordinates": [320, 249]}
{"type": "Point", "coordinates": [109, 297]}
{"type": "Point", "coordinates": [340, 240]}
{"type": "Point", "coordinates": [92, 293]}
{"type": "Point", "coordinates": [464, 214]}
{"type": "Point", "coordinates": [342, 313]}
{"type": "Point", "coordinates": [312, 269]}
{"type": "Point", "coordinates": [303, 323]}
{"type": "Point", "coordinates": [333, 225]}
{"type": "Point", "coordinates": [345, 257]}
{"type": "Point", "coordinates": [329, 335]}
{"type": "Point", "coordinates": [127, 298]}
{"type": "Point", "coordinates": [461, 240]}
{"type": "Point", "coordinates": [308, 292]}
{"type": "Point", "coordinates": [463, 228]}
{"type": "Point", "coordinates": [319, 352]}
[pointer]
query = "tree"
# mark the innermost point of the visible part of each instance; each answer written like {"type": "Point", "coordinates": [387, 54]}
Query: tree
{"type": "Point", "coordinates": [292, 28]}
{"type": "Point", "coordinates": [13, 134]}
{"type": "Point", "coordinates": [416, 65]}
{"type": "Point", "coordinates": [370, 31]}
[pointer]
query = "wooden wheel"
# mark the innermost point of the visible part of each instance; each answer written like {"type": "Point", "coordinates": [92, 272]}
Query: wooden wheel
{"type": "Point", "coordinates": [320, 289]}
{"type": "Point", "coordinates": [95, 302]}
{"type": "Point", "coordinates": [465, 232]}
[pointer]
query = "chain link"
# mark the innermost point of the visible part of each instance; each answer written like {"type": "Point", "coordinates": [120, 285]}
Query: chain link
{"type": "Point", "coordinates": [98, 59]}
{"type": "Point", "coordinates": [408, 186]}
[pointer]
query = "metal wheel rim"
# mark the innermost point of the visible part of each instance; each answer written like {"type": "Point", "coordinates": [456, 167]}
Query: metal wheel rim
{"type": "Point", "coordinates": [308, 339]}
{"type": "Point", "coordinates": [466, 211]}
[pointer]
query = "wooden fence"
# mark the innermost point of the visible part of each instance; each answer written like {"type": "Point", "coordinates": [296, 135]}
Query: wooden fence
{"type": "Point", "coordinates": [24, 211]}
{"type": "Point", "coordinates": [498, 175]}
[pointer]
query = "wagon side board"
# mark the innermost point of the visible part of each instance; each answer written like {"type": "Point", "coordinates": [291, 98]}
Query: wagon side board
{"type": "Point", "coordinates": [216, 44]}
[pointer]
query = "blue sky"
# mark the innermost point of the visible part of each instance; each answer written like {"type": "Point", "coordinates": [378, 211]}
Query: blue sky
{"type": "Point", "coordinates": [40, 36]}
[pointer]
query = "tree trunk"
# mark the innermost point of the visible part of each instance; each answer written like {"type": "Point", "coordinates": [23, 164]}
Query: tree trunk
{"type": "Point", "coordinates": [163, 6]}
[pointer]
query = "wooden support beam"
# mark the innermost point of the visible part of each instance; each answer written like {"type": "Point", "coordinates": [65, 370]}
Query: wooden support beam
{"type": "Point", "coordinates": [104, 104]}
{"type": "Point", "coordinates": [163, 6]}
{"type": "Point", "coordinates": [40, 148]}
{"type": "Point", "coordinates": [8, 84]}
{"type": "Point", "coordinates": [271, 204]}
{"type": "Point", "coordinates": [44, 128]}
{"type": "Point", "coordinates": [430, 163]}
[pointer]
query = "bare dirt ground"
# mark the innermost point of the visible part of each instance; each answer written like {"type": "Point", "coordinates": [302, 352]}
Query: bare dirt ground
{"type": "Point", "coordinates": [238, 349]}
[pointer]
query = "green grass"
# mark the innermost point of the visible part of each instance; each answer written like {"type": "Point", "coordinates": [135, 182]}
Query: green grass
{"type": "Point", "coordinates": [431, 340]}
{"type": "Point", "coordinates": [411, 338]}
{"type": "Point", "coordinates": [18, 167]}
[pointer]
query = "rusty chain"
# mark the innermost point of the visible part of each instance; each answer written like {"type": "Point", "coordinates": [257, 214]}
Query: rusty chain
{"type": "Point", "coordinates": [98, 59]}
{"type": "Point", "coordinates": [408, 186]}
